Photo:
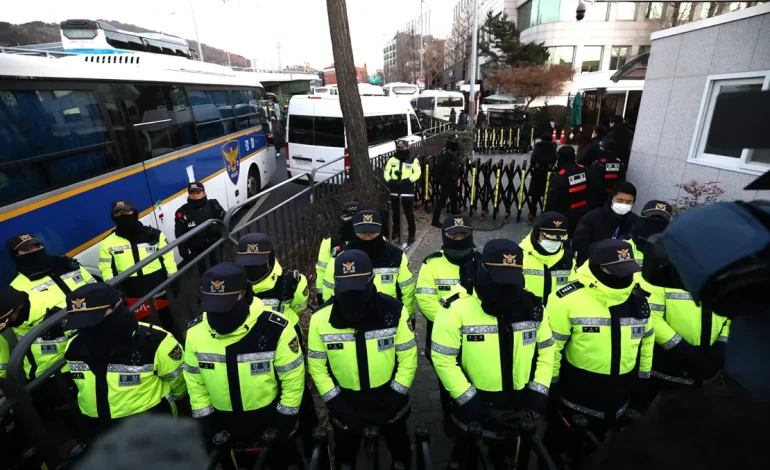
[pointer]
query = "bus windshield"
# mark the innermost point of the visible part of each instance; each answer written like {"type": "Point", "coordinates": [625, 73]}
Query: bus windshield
{"type": "Point", "coordinates": [449, 102]}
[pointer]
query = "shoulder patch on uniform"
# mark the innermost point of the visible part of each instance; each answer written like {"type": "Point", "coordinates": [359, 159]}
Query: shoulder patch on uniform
{"type": "Point", "coordinates": [435, 254]}
{"type": "Point", "coordinates": [278, 320]}
{"type": "Point", "coordinates": [176, 353]}
{"type": "Point", "coordinates": [195, 321]}
{"type": "Point", "coordinates": [569, 288]}
{"type": "Point", "coordinates": [294, 345]}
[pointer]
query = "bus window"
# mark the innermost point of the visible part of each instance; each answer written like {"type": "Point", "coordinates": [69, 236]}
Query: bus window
{"type": "Point", "coordinates": [301, 129]}
{"type": "Point", "coordinates": [415, 124]}
{"type": "Point", "coordinates": [213, 113]}
{"type": "Point", "coordinates": [425, 103]}
{"type": "Point", "coordinates": [62, 130]}
{"type": "Point", "coordinates": [386, 128]}
{"type": "Point", "coordinates": [449, 102]}
{"type": "Point", "coordinates": [182, 116]}
{"type": "Point", "coordinates": [246, 108]}
{"type": "Point", "coordinates": [329, 132]}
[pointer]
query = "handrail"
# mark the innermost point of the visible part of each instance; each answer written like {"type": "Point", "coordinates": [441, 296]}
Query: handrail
{"type": "Point", "coordinates": [269, 211]}
{"type": "Point", "coordinates": [231, 212]}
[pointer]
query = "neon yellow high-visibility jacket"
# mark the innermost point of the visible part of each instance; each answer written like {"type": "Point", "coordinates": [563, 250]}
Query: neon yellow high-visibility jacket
{"type": "Point", "coordinates": [677, 319]}
{"type": "Point", "coordinates": [544, 273]}
{"type": "Point", "coordinates": [5, 354]}
{"type": "Point", "coordinates": [136, 378]}
{"type": "Point", "coordinates": [508, 364]}
{"type": "Point", "coordinates": [410, 173]}
{"type": "Point", "coordinates": [285, 292]}
{"type": "Point", "coordinates": [66, 276]}
{"type": "Point", "coordinates": [326, 253]}
{"type": "Point", "coordinates": [436, 280]}
{"type": "Point", "coordinates": [362, 363]}
{"type": "Point", "coordinates": [266, 352]}
{"type": "Point", "coordinates": [116, 254]}
{"type": "Point", "coordinates": [50, 347]}
{"type": "Point", "coordinates": [391, 276]}
{"type": "Point", "coordinates": [601, 332]}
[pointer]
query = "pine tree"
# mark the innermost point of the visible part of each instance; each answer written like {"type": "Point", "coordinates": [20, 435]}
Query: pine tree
{"type": "Point", "coordinates": [500, 42]}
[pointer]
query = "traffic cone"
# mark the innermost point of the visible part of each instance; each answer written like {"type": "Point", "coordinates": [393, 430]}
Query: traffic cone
{"type": "Point", "coordinates": [553, 138]}
{"type": "Point", "coordinates": [563, 139]}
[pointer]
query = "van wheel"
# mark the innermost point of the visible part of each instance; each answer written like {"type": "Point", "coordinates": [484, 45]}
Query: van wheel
{"type": "Point", "coordinates": [253, 185]}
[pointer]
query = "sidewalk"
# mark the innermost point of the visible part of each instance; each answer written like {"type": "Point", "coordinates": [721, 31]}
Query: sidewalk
{"type": "Point", "coordinates": [426, 406]}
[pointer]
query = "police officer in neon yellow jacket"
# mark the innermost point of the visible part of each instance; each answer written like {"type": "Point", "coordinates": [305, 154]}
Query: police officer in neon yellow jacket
{"type": "Point", "coordinates": [333, 244]}
{"type": "Point", "coordinates": [362, 356]}
{"type": "Point", "coordinates": [121, 367]}
{"type": "Point", "coordinates": [548, 263]}
{"type": "Point", "coordinates": [504, 343]}
{"type": "Point", "coordinates": [601, 324]}
{"type": "Point", "coordinates": [401, 173]}
{"type": "Point", "coordinates": [285, 292]}
{"type": "Point", "coordinates": [243, 365]}
{"type": "Point", "coordinates": [391, 266]}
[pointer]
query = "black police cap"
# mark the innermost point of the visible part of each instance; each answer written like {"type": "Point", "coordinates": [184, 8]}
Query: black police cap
{"type": "Point", "coordinates": [88, 305]}
{"type": "Point", "coordinates": [221, 286]}
{"type": "Point", "coordinates": [253, 250]}
{"type": "Point", "coordinates": [367, 221]}
{"type": "Point", "coordinates": [352, 271]}
{"type": "Point", "coordinates": [616, 256]}
{"type": "Point", "coordinates": [503, 259]}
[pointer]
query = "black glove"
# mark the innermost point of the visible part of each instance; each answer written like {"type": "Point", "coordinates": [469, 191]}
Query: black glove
{"type": "Point", "coordinates": [394, 402]}
{"type": "Point", "coordinates": [285, 425]}
{"type": "Point", "coordinates": [554, 394]}
{"type": "Point", "coordinates": [319, 299]}
{"type": "Point", "coordinates": [474, 410]}
{"type": "Point", "coordinates": [397, 174]}
{"type": "Point", "coordinates": [340, 411]}
{"type": "Point", "coordinates": [508, 419]}
{"type": "Point", "coordinates": [639, 397]}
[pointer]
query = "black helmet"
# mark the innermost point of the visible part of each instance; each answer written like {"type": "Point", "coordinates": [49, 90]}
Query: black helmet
{"type": "Point", "coordinates": [453, 142]}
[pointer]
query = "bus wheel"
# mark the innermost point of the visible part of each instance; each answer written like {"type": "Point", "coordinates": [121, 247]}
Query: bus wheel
{"type": "Point", "coordinates": [252, 183]}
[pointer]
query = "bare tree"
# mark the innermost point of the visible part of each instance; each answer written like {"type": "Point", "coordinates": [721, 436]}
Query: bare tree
{"type": "Point", "coordinates": [530, 83]}
{"type": "Point", "coordinates": [458, 45]}
{"type": "Point", "coordinates": [434, 62]}
{"type": "Point", "coordinates": [350, 101]}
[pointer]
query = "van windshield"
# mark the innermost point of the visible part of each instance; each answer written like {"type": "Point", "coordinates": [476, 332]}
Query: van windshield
{"type": "Point", "coordinates": [450, 102]}
{"type": "Point", "coordinates": [316, 130]}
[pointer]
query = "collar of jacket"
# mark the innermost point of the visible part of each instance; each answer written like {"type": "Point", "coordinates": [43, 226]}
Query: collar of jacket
{"type": "Point", "coordinates": [269, 282]}
{"type": "Point", "coordinates": [528, 247]}
{"type": "Point", "coordinates": [609, 296]}
{"type": "Point", "coordinates": [256, 309]}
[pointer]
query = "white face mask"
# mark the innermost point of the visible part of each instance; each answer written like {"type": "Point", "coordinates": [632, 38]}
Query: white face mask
{"type": "Point", "coordinates": [551, 246]}
{"type": "Point", "coordinates": [621, 209]}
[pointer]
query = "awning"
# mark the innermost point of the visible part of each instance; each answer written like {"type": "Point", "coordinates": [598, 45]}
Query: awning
{"type": "Point", "coordinates": [635, 69]}
{"type": "Point", "coordinates": [500, 97]}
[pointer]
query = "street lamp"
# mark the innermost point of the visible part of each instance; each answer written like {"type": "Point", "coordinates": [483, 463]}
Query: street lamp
{"type": "Point", "coordinates": [474, 40]}
{"type": "Point", "coordinates": [195, 27]}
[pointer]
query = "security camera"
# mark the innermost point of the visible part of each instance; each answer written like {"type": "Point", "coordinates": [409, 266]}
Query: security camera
{"type": "Point", "coordinates": [580, 12]}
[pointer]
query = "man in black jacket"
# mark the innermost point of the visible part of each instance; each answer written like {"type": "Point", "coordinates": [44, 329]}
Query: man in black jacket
{"type": "Point", "coordinates": [622, 135]}
{"type": "Point", "coordinates": [569, 189]}
{"type": "Point", "coordinates": [542, 161]}
{"type": "Point", "coordinates": [446, 172]}
{"type": "Point", "coordinates": [592, 151]}
{"type": "Point", "coordinates": [613, 220]}
{"type": "Point", "coordinates": [197, 210]}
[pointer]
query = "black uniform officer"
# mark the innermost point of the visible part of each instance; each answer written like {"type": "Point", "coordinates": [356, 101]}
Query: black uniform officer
{"type": "Point", "coordinates": [542, 161]}
{"type": "Point", "coordinates": [401, 173]}
{"type": "Point", "coordinates": [446, 172]}
{"type": "Point", "coordinates": [568, 192]}
{"type": "Point", "coordinates": [286, 292]}
{"type": "Point", "coordinates": [604, 173]}
{"type": "Point", "coordinates": [198, 209]}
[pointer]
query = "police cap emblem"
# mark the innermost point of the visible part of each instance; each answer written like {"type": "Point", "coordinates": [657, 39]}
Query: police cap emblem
{"type": "Point", "coordinates": [217, 286]}
{"type": "Point", "coordinates": [252, 247]}
{"type": "Point", "coordinates": [509, 259]}
{"type": "Point", "coordinates": [78, 304]}
{"type": "Point", "coordinates": [348, 268]}
{"type": "Point", "coordinates": [459, 221]}
{"type": "Point", "coordinates": [368, 217]}
{"type": "Point", "coordinates": [623, 254]}
{"type": "Point", "coordinates": [557, 223]}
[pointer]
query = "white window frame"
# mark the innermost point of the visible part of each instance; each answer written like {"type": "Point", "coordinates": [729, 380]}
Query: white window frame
{"type": "Point", "coordinates": [696, 154]}
{"type": "Point", "coordinates": [617, 11]}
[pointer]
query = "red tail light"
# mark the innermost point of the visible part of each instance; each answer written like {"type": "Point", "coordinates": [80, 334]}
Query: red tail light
{"type": "Point", "coordinates": [347, 163]}
{"type": "Point", "coordinates": [288, 162]}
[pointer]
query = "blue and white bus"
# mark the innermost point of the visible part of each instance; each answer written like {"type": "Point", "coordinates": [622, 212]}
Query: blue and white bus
{"type": "Point", "coordinates": [98, 37]}
{"type": "Point", "coordinates": [80, 131]}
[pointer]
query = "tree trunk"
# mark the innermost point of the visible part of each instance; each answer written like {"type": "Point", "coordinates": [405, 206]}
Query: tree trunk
{"type": "Point", "coordinates": [350, 101]}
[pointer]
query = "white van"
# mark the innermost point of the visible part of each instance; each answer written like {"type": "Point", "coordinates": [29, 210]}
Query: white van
{"type": "Point", "coordinates": [316, 133]}
{"type": "Point", "coordinates": [405, 91]}
{"type": "Point", "coordinates": [438, 103]}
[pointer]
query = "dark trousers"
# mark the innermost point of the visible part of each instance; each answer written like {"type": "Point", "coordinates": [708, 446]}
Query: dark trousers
{"type": "Point", "coordinates": [566, 444]}
{"type": "Point", "coordinates": [408, 203]}
{"type": "Point", "coordinates": [347, 443]}
{"type": "Point", "coordinates": [448, 191]}
{"type": "Point", "coordinates": [308, 420]}
{"type": "Point", "coordinates": [502, 452]}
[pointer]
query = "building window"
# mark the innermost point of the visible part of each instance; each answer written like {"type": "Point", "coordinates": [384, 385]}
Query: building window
{"type": "Point", "coordinates": [561, 55]}
{"type": "Point", "coordinates": [525, 16]}
{"type": "Point", "coordinates": [626, 11]}
{"type": "Point", "coordinates": [592, 59]}
{"type": "Point", "coordinates": [707, 152]}
{"type": "Point", "coordinates": [655, 10]}
{"type": "Point", "coordinates": [619, 57]}
{"type": "Point", "coordinates": [644, 50]}
{"type": "Point", "coordinates": [597, 12]}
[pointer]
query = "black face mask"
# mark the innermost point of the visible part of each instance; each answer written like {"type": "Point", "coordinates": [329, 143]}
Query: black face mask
{"type": "Point", "coordinates": [227, 322]}
{"type": "Point", "coordinates": [35, 263]}
{"type": "Point", "coordinates": [127, 226]}
{"type": "Point", "coordinates": [346, 230]}
{"type": "Point", "coordinates": [371, 247]}
{"type": "Point", "coordinates": [609, 280]}
{"type": "Point", "coordinates": [643, 228]}
{"type": "Point", "coordinates": [21, 299]}
{"type": "Point", "coordinates": [457, 251]}
{"type": "Point", "coordinates": [402, 154]}
{"type": "Point", "coordinates": [352, 308]}
{"type": "Point", "coordinates": [257, 274]}
{"type": "Point", "coordinates": [497, 299]}
{"type": "Point", "coordinates": [197, 203]}
{"type": "Point", "coordinates": [114, 329]}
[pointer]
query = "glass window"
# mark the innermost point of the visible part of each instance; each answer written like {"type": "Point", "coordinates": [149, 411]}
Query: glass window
{"type": "Point", "coordinates": [644, 49]}
{"type": "Point", "coordinates": [212, 112]}
{"type": "Point", "coordinates": [182, 115]}
{"type": "Point", "coordinates": [728, 86]}
{"type": "Point", "coordinates": [246, 108]}
{"type": "Point", "coordinates": [619, 57]}
{"type": "Point", "coordinates": [525, 16]}
{"type": "Point", "coordinates": [425, 103]}
{"type": "Point", "coordinates": [450, 102]}
{"type": "Point", "coordinates": [626, 11]}
{"type": "Point", "coordinates": [561, 55]}
{"type": "Point", "coordinates": [415, 124]}
{"type": "Point", "coordinates": [329, 132]}
{"type": "Point", "coordinates": [300, 129]}
{"type": "Point", "coordinates": [592, 58]}
{"type": "Point", "coordinates": [388, 128]}
{"type": "Point", "coordinates": [64, 126]}
{"type": "Point", "coordinates": [595, 12]}
{"type": "Point", "coordinates": [655, 10]}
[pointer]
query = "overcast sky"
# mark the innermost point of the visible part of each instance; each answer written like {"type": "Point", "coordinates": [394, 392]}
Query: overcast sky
{"type": "Point", "coordinates": [253, 28]}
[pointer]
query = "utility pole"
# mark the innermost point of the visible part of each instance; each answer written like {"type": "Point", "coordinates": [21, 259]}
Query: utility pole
{"type": "Point", "coordinates": [420, 49]}
{"type": "Point", "coordinates": [474, 40]}
{"type": "Point", "coordinates": [195, 27]}
{"type": "Point", "coordinates": [278, 48]}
